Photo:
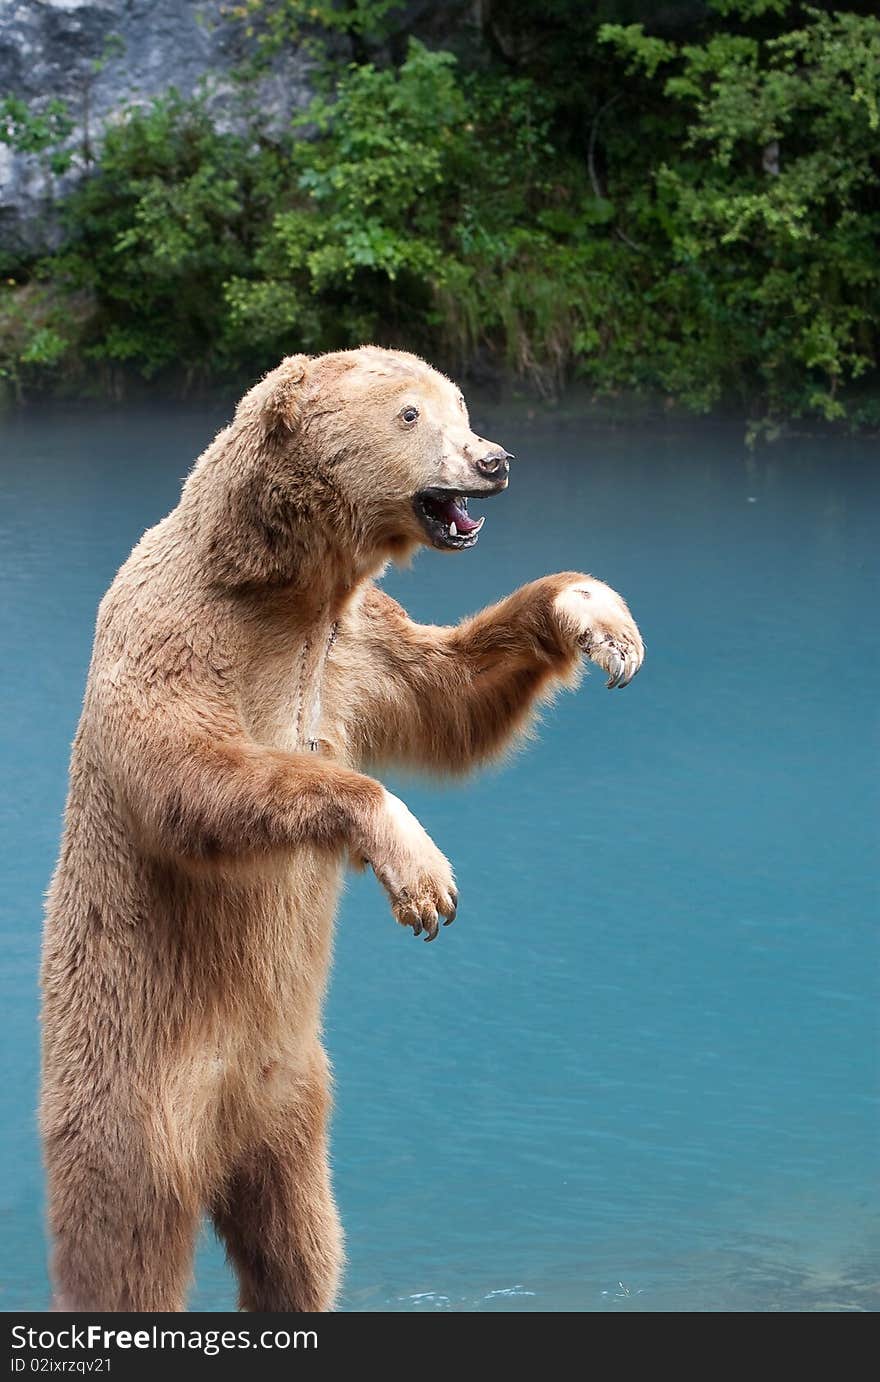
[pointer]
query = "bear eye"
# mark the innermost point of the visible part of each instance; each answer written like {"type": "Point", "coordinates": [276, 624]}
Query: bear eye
{"type": "Point", "coordinates": [409, 414]}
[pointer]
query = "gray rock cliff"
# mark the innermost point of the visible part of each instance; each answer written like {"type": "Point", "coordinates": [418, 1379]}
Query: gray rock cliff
{"type": "Point", "coordinates": [99, 55]}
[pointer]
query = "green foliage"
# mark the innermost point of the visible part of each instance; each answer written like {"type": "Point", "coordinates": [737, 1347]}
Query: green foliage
{"type": "Point", "coordinates": [687, 212]}
{"type": "Point", "coordinates": [769, 208]}
{"type": "Point", "coordinates": [37, 131]}
{"type": "Point", "coordinates": [281, 21]}
{"type": "Point", "coordinates": [311, 24]}
{"type": "Point", "coordinates": [414, 200]}
{"type": "Point", "coordinates": [38, 327]}
{"type": "Point", "coordinates": [165, 219]}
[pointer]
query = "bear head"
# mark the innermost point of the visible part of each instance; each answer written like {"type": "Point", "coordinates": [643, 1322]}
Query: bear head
{"type": "Point", "coordinates": [359, 455]}
{"type": "Point", "coordinates": [390, 438]}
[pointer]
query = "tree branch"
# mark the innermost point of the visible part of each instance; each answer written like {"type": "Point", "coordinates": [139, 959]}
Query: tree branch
{"type": "Point", "coordinates": [591, 147]}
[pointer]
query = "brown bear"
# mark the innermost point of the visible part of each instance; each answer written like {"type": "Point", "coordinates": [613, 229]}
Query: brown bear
{"type": "Point", "coordinates": [246, 670]}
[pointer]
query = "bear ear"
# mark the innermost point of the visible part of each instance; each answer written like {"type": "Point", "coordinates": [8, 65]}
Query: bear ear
{"type": "Point", "coordinates": [285, 389]}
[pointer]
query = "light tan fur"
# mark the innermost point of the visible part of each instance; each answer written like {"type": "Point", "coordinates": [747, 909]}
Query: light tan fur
{"type": "Point", "coordinates": [189, 920]}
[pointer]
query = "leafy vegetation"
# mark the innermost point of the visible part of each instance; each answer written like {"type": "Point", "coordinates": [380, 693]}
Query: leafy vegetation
{"type": "Point", "coordinates": [687, 213]}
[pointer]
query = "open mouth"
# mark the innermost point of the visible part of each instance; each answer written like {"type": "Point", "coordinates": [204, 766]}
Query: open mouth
{"type": "Point", "coordinates": [444, 516]}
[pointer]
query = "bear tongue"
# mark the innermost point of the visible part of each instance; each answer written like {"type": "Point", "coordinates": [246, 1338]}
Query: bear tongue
{"type": "Point", "coordinates": [450, 511]}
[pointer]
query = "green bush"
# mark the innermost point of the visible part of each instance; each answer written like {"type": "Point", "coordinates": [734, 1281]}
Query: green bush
{"type": "Point", "coordinates": [696, 219]}
{"type": "Point", "coordinates": [414, 215]}
{"type": "Point", "coordinates": [768, 215]}
{"type": "Point", "coordinates": [167, 217]}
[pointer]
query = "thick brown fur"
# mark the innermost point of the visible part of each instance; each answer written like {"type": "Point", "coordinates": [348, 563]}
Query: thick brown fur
{"type": "Point", "coordinates": [189, 920]}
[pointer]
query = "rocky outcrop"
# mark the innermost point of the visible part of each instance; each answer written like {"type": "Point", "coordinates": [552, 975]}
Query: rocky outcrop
{"type": "Point", "coordinates": [100, 55]}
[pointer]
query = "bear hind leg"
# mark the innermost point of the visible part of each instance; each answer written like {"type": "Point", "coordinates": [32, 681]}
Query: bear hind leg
{"type": "Point", "coordinates": [277, 1216]}
{"type": "Point", "coordinates": [120, 1241]}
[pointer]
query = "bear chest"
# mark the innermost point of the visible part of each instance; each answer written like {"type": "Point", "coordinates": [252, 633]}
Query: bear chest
{"type": "Point", "coordinates": [290, 706]}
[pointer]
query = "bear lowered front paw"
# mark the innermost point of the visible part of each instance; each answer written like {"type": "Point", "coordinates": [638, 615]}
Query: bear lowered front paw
{"type": "Point", "coordinates": [410, 867]}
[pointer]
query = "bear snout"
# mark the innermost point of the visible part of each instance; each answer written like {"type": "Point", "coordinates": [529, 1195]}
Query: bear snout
{"type": "Point", "coordinates": [495, 463]}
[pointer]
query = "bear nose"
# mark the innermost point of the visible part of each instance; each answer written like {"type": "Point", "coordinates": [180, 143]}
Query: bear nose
{"type": "Point", "coordinates": [495, 463]}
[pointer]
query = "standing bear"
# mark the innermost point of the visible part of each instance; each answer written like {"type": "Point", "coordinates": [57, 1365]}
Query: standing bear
{"type": "Point", "coordinates": [246, 670]}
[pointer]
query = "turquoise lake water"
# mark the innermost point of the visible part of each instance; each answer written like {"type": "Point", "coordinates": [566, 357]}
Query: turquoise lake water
{"type": "Point", "coordinates": [640, 1073]}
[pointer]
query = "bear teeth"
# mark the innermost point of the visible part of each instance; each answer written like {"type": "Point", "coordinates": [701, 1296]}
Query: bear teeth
{"type": "Point", "coordinates": [453, 531]}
